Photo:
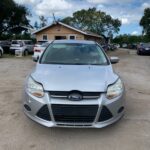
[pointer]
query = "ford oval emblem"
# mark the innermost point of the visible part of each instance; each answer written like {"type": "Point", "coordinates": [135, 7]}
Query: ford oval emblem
{"type": "Point", "coordinates": [75, 97]}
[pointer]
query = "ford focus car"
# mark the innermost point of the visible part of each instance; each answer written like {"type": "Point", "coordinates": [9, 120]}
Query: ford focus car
{"type": "Point", "coordinates": [74, 85]}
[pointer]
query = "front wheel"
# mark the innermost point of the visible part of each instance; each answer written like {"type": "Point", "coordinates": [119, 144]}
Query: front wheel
{"type": "Point", "coordinates": [26, 53]}
{"type": "Point", "coordinates": [139, 53]}
{"type": "Point", "coordinates": [1, 54]}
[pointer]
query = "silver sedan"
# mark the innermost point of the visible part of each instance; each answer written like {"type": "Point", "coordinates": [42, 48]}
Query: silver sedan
{"type": "Point", "coordinates": [74, 85]}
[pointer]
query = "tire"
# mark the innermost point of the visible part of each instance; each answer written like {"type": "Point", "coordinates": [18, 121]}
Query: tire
{"type": "Point", "coordinates": [1, 54]}
{"type": "Point", "coordinates": [139, 53]}
{"type": "Point", "coordinates": [26, 53]}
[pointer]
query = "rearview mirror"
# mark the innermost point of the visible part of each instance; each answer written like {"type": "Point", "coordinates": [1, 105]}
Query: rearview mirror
{"type": "Point", "coordinates": [114, 60]}
{"type": "Point", "coordinates": [35, 59]}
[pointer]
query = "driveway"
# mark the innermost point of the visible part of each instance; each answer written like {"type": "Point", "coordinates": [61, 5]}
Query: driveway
{"type": "Point", "coordinates": [132, 132]}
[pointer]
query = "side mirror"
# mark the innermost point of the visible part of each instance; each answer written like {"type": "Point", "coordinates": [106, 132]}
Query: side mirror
{"type": "Point", "coordinates": [35, 59]}
{"type": "Point", "coordinates": [114, 60]}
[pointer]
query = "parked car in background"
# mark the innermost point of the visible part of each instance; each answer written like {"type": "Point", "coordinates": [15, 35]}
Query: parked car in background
{"type": "Point", "coordinates": [6, 46]}
{"type": "Point", "coordinates": [143, 48]}
{"type": "Point", "coordinates": [39, 43]}
{"type": "Point", "coordinates": [1, 51]}
{"type": "Point", "coordinates": [112, 47]}
{"type": "Point", "coordinates": [124, 45]}
{"type": "Point", "coordinates": [117, 45]}
{"type": "Point", "coordinates": [74, 85]}
{"type": "Point", "coordinates": [40, 49]}
{"type": "Point", "coordinates": [26, 46]}
{"type": "Point", "coordinates": [108, 47]}
{"type": "Point", "coordinates": [132, 46]}
{"type": "Point", "coordinates": [104, 47]}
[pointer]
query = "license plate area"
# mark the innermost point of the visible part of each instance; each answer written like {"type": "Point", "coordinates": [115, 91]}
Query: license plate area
{"type": "Point", "coordinates": [74, 113]}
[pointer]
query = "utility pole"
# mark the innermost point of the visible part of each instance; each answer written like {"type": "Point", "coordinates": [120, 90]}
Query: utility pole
{"type": "Point", "coordinates": [54, 19]}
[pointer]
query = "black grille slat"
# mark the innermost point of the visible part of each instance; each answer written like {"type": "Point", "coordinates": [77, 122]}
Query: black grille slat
{"type": "Point", "coordinates": [74, 113]}
{"type": "Point", "coordinates": [105, 114]}
{"type": "Point", "coordinates": [65, 94]}
{"type": "Point", "coordinates": [75, 119]}
{"type": "Point", "coordinates": [43, 113]}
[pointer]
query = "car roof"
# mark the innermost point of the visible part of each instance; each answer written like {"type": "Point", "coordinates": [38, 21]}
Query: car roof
{"type": "Point", "coordinates": [74, 41]}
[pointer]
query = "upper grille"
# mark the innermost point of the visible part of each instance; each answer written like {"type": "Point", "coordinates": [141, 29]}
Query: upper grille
{"type": "Point", "coordinates": [74, 113]}
{"type": "Point", "coordinates": [65, 94]}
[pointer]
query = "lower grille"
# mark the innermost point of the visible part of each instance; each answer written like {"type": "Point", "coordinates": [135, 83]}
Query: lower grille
{"type": "Point", "coordinates": [72, 125]}
{"type": "Point", "coordinates": [74, 113]}
{"type": "Point", "coordinates": [43, 113]}
{"type": "Point", "coordinates": [105, 114]}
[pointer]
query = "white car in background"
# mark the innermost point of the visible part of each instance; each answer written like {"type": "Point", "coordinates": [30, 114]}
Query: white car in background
{"type": "Point", "coordinates": [117, 46]}
{"type": "Point", "coordinates": [25, 46]}
{"type": "Point", "coordinates": [1, 51]}
{"type": "Point", "coordinates": [39, 43]}
{"type": "Point", "coordinates": [38, 50]}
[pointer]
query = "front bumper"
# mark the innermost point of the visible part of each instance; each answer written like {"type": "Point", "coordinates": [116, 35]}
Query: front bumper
{"type": "Point", "coordinates": [36, 55]}
{"type": "Point", "coordinates": [143, 51]}
{"type": "Point", "coordinates": [12, 50]}
{"type": "Point", "coordinates": [42, 111]}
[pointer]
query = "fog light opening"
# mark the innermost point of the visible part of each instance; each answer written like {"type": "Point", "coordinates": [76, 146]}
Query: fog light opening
{"type": "Point", "coordinates": [27, 107]}
{"type": "Point", "coordinates": [120, 110]}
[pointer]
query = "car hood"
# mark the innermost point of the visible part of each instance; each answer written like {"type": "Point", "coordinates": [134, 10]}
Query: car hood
{"type": "Point", "coordinates": [146, 47]}
{"type": "Point", "coordinates": [74, 77]}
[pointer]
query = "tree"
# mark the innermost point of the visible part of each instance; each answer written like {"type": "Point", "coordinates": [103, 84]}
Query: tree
{"type": "Point", "coordinates": [36, 26]}
{"type": "Point", "coordinates": [95, 21]}
{"type": "Point", "coordinates": [145, 22]}
{"type": "Point", "coordinates": [12, 15]}
{"type": "Point", "coordinates": [43, 21]}
{"type": "Point", "coordinates": [130, 39]}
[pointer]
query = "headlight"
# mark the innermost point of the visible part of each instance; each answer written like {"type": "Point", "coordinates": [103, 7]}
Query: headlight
{"type": "Point", "coordinates": [115, 90]}
{"type": "Point", "coordinates": [35, 88]}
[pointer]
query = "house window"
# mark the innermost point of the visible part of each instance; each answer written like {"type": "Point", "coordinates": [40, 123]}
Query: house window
{"type": "Point", "coordinates": [60, 37]}
{"type": "Point", "coordinates": [72, 37]}
{"type": "Point", "coordinates": [45, 37]}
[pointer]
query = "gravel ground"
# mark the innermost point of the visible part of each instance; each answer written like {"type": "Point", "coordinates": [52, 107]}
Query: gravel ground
{"type": "Point", "coordinates": [17, 132]}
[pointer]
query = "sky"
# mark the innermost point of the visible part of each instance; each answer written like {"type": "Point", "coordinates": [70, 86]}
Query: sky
{"type": "Point", "coordinates": [128, 11]}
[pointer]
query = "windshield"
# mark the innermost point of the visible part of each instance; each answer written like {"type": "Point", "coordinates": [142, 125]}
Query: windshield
{"type": "Point", "coordinates": [146, 45]}
{"type": "Point", "coordinates": [16, 42]}
{"type": "Point", "coordinates": [74, 54]}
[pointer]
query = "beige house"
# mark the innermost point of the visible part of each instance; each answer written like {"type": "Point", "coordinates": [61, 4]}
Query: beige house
{"type": "Point", "coordinates": [59, 31]}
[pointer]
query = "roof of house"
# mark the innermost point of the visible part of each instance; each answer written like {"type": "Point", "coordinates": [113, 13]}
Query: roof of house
{"type": "Point", "coordinates": [75, 41]}
{"type": "Point", "coordinates": [70, 27]}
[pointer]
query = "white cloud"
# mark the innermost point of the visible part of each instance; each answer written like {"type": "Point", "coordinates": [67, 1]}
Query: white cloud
{"type": "Point", "coordinates": [135, 33]}
{"type": "Point", "coordinates": [126, 14]}
{"type": "Point", "coordinates": [46, 7]}
{"type": "Point", "coordinates": [26, 1]}
{"type": "Point", "coordinates": [128, 11]}
{"type": "Point", "coordinates": [145, 5]}
{"type": "Point", "coordinates": [109, 1]}
{"type": "Point", "coordinates": [97, 1]}
{"type": "Point", "coordinates": [100, 6]}
{"type": "Point", "coordinates": [125, 21]}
